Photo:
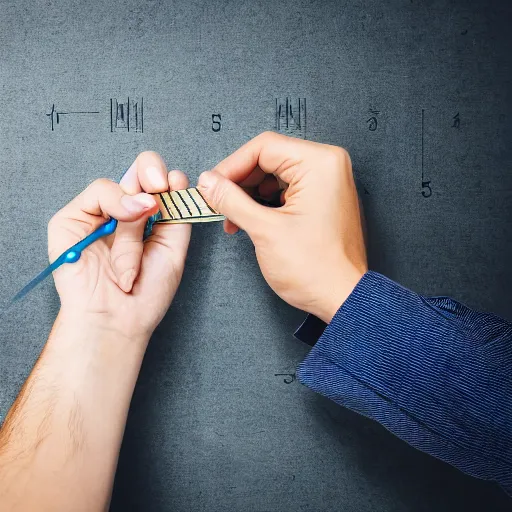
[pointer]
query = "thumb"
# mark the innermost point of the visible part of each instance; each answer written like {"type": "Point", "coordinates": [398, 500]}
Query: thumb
{"type": "Point", "coordinates": [88, 210]}
{"type": "Point", "coordinates": [229, 199]}
{"type": "Point", "coordinates": [104, 197]}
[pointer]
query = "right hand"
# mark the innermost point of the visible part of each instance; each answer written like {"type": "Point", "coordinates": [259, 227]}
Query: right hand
{"type": "Point", "coordinates": [310, 250]}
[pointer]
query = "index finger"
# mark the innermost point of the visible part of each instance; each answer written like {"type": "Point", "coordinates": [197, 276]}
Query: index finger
{"type": "Point", "coordinates": [148, 173]}
{"type": "Point", "coordinates": [272, 152]}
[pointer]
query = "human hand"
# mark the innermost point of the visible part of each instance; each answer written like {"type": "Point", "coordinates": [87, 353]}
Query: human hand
{"type": "Point", "coordinates": [310, 250]}
{"type": "Point", "coordinates": [121, 283]}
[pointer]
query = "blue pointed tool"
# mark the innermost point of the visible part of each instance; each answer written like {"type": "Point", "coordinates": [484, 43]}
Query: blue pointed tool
{"type": "Point", "coordinates": [72, 255]}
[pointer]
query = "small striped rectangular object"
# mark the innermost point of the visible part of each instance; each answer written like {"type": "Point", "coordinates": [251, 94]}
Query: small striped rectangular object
{"type": "Point", "coordinates": [185, 206]}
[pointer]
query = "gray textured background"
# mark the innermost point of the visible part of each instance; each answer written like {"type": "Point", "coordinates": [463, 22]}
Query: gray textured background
{"type": "Point", "coordinates": [211, 427]}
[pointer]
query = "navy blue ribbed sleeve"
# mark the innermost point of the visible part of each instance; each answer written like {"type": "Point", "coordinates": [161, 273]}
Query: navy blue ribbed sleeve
{"type": "Point", "coordinates": [432, 371]}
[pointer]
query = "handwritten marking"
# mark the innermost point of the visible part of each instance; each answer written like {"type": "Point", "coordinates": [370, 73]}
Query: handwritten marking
{"type": "Point", "coordinates": [288, 377]}
{"type": "Point", "coordinates": [291, 117]}
{"type": "Point", "coordinates": [54, 115]}
{"type": "Point", "coordinates": [127, 115]}
{"type": "Point", "coordinates": [216, 125]}
{"type": "Point", "coordinates": [425, 185]}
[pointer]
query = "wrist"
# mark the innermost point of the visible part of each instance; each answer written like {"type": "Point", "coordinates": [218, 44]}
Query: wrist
{"type": "Point", "coordinates": [97, 328]}
{"type": "Point", "coordinates": [335, 294]}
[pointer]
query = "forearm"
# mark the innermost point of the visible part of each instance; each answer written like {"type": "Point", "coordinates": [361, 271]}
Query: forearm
{"type": "Point", "coordinates": [60, 441]}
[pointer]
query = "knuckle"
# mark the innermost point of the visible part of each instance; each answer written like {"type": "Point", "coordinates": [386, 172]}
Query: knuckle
{"type": "Point", "coordinates": [268, 136]}
{"type": "Point", "coordinates": [176, 173]}
{"type": "Point", "coordinates": [100, 184]}
{"type": "Point", "coordinates": [149, 152]}
{"type": "Point", "coordinates": [54, 222]}
{"type": "Point", "coordinates": [338, 158]}
{"type": "Point", "coordinates": [338, 152]}
{"type": "Point", "coordinates": [124, 259]}
{"type": "Point", "coordinates": [149, 157]}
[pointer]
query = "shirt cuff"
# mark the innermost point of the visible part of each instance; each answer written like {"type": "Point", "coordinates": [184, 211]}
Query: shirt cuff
{"type": "Point", "coordinates": [310, 330]}
{"type": "Point", "coordinates": [426, 368]}
{"type": "Point", "coordinates": [366, 335]}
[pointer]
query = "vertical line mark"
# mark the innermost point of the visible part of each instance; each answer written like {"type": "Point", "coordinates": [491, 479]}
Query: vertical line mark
{"type": "Point", "coordinates": [422, 144]}
{"type": "Point", "coordinates": [300, 126]}
{"type": "Point", "coordinates": [287, 112]}
{"type": "Point", "coordinates": [305, 117]}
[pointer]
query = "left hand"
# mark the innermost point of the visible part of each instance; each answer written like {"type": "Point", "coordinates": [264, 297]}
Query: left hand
{"type": "Point", "coordinates": [120, 283]}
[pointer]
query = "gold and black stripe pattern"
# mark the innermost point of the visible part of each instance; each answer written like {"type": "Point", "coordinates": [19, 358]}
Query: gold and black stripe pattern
{"type": "Point", "coordinates": [185, 206]}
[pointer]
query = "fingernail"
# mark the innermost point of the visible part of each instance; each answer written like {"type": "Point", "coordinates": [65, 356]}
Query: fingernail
{"type": "Point", "coordinates": [156, 179]}
{"type": "Point", "coordinates": [138, 203]}
{"type": "Point", "coordinates": [126, 281]}
{"type": "Point", "coordinates": [206, 180]}
{"type": "Point", "coordinates": [127, 174]}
